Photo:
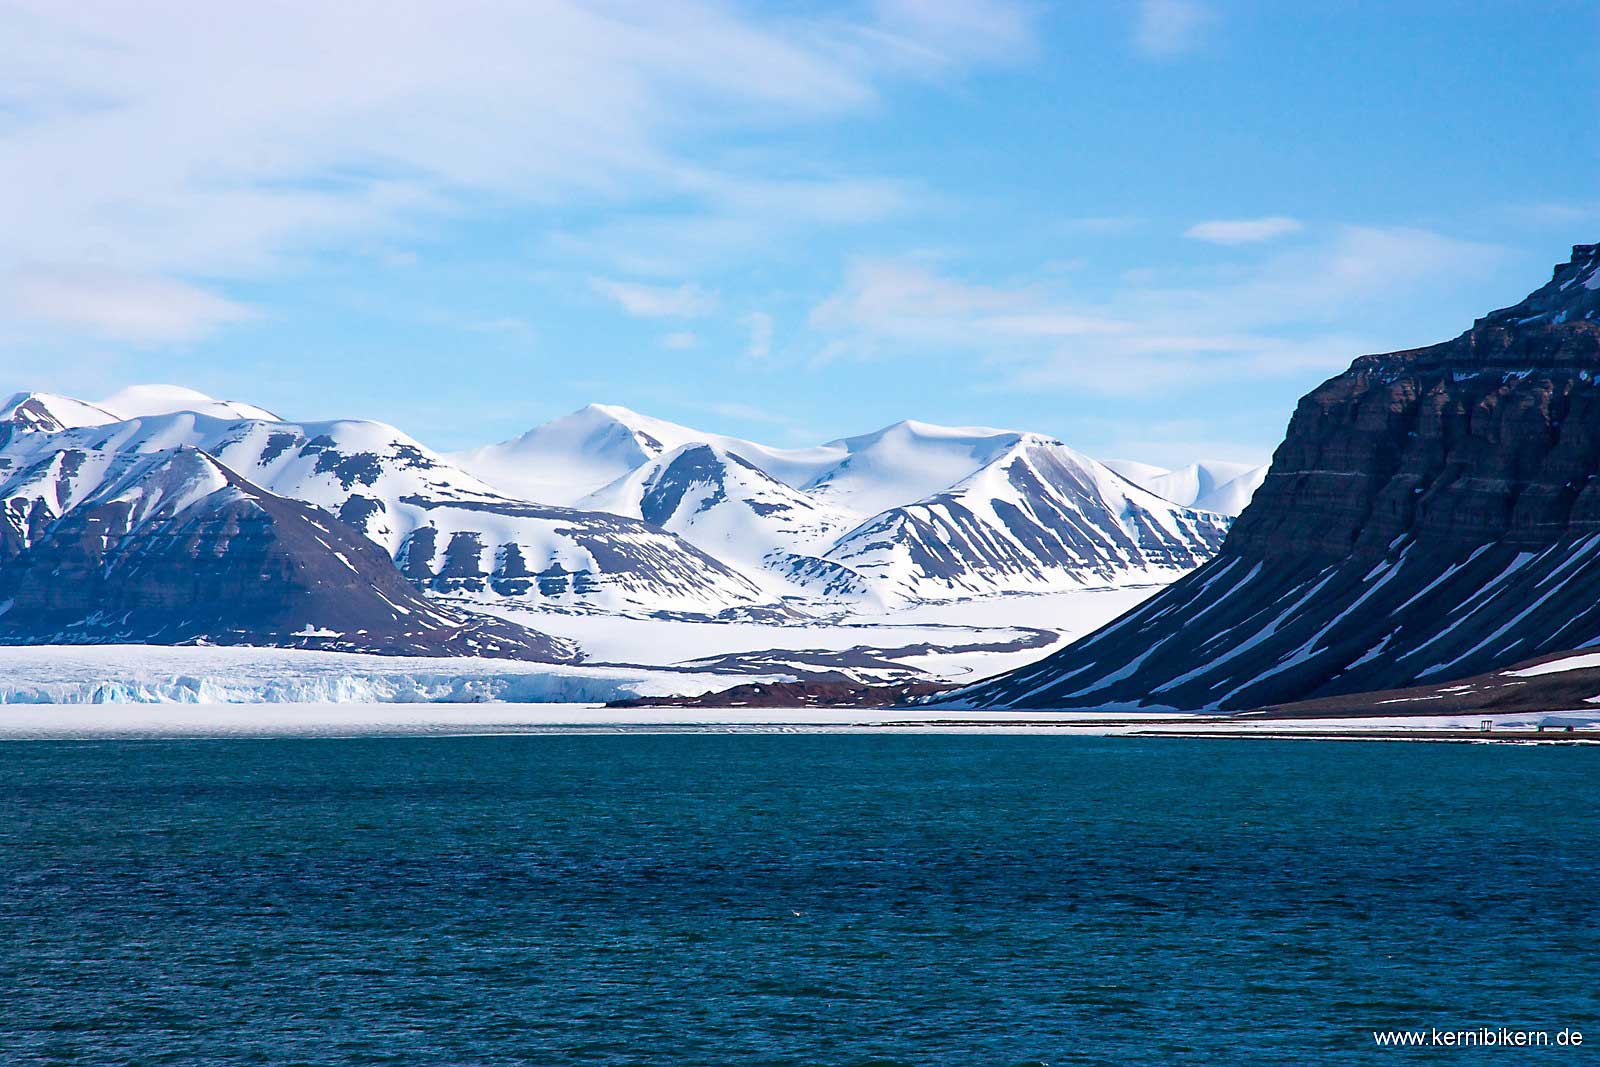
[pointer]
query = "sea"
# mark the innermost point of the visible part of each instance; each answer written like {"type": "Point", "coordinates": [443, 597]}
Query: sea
{"type": "Point", "coordinates": [766, 899]}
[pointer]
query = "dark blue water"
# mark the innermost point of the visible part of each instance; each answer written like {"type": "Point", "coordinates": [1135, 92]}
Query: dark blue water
{"type": "Point", "coordinates": [713, 899]}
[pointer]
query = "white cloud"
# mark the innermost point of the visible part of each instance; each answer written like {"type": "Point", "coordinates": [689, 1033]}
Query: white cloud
{"type": "Point", "coordinates": [897, 300]}
{"type": "Point", "coordinates": [109, 304]}
{"type": "Point", "coordinates": [1171, 27]}
{"type": "Point", "coordinates": [680, 340]}
{"type": "Point", "coordinates": [760, 346]}
{"type": "Point", "coordinates": [657, 301]}
{"type": "Point", "coordinates": [1243, 231]}
{"type": "Point", "coordinates": [950, 31]}
{"type": "Point", "coordinates": [319, 124]}
{"type": "Point", "coordinates": [1282, 315]}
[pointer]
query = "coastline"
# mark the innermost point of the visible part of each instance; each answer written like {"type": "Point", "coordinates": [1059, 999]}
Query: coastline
{"type": "Point", "coordinates": [115, 722]}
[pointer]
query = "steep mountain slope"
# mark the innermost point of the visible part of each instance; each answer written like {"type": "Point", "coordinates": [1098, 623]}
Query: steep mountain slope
{"type": "Point", "coordinates": [46, 413]}
{"type": "Point", "coordinates": [1431, 514]}
{"type": "Point", "coordinates": [172, 547]}
{"type": "Point", "coordinates": [1036, 516]}
{"type": "Point", "coordinates": [447, 530]}
{"type": "Point", "coordinates": [729, 507]}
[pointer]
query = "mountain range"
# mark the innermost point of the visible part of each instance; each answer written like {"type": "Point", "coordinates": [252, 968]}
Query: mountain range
{"type": "Point", "coordinates": [1432, 514]}
{"type": "Point", "coordinates": [911, 512]}
{"type": "Point", "coordinates": [601, 510]}
{"type": "Point", "coordinates": [1429, 530]}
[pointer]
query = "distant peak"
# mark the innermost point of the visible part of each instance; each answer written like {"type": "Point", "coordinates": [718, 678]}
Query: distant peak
{"type": "Point", "coordinates": [610, 411]}
{"type": "Point", "coordinates": [51, 413]}
{"type": "Point", "coordinates": [140, 401]}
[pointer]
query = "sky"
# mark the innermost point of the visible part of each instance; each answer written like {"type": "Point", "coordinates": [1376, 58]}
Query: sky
{"type": "Point", "coordinates": [1144, 227]}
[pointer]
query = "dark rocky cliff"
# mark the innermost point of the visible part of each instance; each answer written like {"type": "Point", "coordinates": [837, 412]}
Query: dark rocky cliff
{"type": "Point", "coordinates": [1430, 514]}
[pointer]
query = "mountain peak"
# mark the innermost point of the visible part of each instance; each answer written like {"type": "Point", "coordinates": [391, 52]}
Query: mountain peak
{"type": "Point", "coordinates": [50, 413]}
{"type": "Point", "coordinates": [614, 412]}
{"type": "Point", "coordinates": [140, 401]}
{"type": "Point", "coordinates": [1571, 295]}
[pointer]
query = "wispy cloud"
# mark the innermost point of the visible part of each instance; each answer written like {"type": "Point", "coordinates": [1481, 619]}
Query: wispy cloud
{"type": "Point", "coordinates": [1243, 231]}
{"type": "Point", "coordinates": [685, 301]}
{"type": "Point", "coordinates": [760, 324]}
{"type": "Point", "coordinates": [321, 123]}
{"type": "Point", "coordinates": [1281, 316]}
{"type": "Point", "coordinates": [1171, 27]}
{"type": "Point", "coordinates": [680, 340]}
{"type": "Point", "coordinates": [111, 304]}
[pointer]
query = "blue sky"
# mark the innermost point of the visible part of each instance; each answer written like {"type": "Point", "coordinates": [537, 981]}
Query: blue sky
{"type": "Point", "coordinates": [1144, 227]}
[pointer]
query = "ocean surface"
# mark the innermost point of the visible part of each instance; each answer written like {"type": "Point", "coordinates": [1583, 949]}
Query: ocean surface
{"type": "Point", "coordinates": [709, 899]}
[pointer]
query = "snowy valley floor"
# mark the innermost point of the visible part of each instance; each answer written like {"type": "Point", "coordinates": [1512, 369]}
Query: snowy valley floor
{"type": "Point", "coordinates": [139, 691]}
{"type": "Point", "coordinates": [627, 657]}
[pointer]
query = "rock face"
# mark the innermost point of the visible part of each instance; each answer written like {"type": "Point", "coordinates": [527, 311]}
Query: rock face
{"type": "Point", "coordinates": [172, 547]}
{"type": "Point", "coordinates": [1431, 514]}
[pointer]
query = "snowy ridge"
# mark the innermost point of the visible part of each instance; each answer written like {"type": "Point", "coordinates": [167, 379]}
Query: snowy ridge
{"type": "Point", "coordinates": [570, 458]}
{"type": "Point", "coordinates": [141, 400]}
{"type": "Point", "coordinates": [47, 413]}
{"type": "Point", "coordinates": [667, 519]}
{"type": "Point", "coordinates": [449, 531]}
{"type": "Point", "coordinates": [1037, 516]}
{"type": "Point", "coordinates": [861, 516]}
{"type": "Point", "coordinates": [730, 508]}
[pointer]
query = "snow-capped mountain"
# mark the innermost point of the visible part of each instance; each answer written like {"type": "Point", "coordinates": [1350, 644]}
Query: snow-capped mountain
{"type": "Point", "coordinates": [1036, 516]}
{"type": "Point", "coordinates": [141, 400]}
{"type": "Point", "coordinates": [898, 513]}
{"type": "Point", "coordinates": [904, 463]}
{"type": "Point", "coordinates": [726, 505]}
{"type": "Point", "coordinates": [1209, 485]}
{"type": "Point", "coordinates": [47, 413]}
{"type": "Point", "coordinates": [50, 412]}
{"type": "Point", "coordinates": [567, 459]}
{"type": "Point", "coordinates": [576, 456]}
{"type": "Point", "coordinates": [447, 530]}
{"type": "Point", "coordinates": [170, 546]}
{"type": "Point", "coordinates": [667, 518]}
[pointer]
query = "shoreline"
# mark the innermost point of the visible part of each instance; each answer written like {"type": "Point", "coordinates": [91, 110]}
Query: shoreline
{"type": "Point", "coordinates": [117, 722]}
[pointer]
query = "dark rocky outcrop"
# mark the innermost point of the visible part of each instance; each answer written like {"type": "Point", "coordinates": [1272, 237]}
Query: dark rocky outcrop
{"type": "Point", "coordinates": [1430, 514]}
{"type": "Point", "coordinates": [175, 548]}
{"type": "Point", "coordinates": [1546, 685]}
{"type": "Point", "coordinates": [811, 694]}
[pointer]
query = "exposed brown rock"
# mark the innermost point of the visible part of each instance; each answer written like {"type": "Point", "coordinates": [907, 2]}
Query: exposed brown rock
{"type": "Point", "coordinates": [1430, 514]}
